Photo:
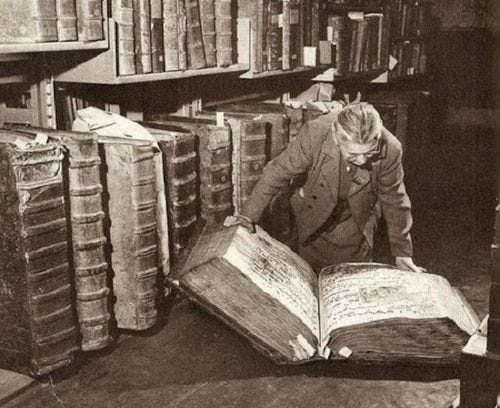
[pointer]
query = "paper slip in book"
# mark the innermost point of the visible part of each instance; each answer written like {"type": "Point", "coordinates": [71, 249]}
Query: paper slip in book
{"type": "Point", "coordinates": [366, 312]}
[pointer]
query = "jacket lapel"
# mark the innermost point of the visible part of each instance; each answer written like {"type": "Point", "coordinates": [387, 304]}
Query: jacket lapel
{"type": "Point", "coordinates": [330, 168]}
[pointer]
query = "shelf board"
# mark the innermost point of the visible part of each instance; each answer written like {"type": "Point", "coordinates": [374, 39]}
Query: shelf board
{"type": "Point", "coordinates": [279, 72]}
{"type": "Point", "coordinates": [52, 46]}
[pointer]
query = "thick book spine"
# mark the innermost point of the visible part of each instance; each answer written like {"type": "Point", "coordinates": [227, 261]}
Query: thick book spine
{"type": "Point", "coordinates": [182, 34]}
{"type": "Point", "coordinates": [275, 37]}
{"type": "Point", "coordinates": [157, 54]}
{"type": "Point", "coordinates": [44, 14]}
{"type": "Point", "coordinates": [66, 20]}
{"type": "Point", "coordinates": [223, 32]}
{"type": "Point", "coordinates": [88, 240]}
{"type": "Point", "coordinates": [142, 36]}
{"type": "Point", "coordinates": [249, 157]}
{"type": "Point", "coordinates": [179, 159]}
{"type": "Point", "coordinates": [123, 14]}
{"type": "Point", "coordinates": [196, 53]}
{"type": "Point", "coordinates": [170, 41]}
{"type": "Point", "coordinates": [90, 20]}
{"type": "Point", "coordinates": [207, 15]}
{"type": "Point", "coordinates": [36, 312]}
{"type": "Point", "coordinates": [131, 185]}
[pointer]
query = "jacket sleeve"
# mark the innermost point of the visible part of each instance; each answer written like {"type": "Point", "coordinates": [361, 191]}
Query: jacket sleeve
{"type": "Point", "coordinates": [292, 162]}
{"type": "Point", "coordinates": [395, 202]}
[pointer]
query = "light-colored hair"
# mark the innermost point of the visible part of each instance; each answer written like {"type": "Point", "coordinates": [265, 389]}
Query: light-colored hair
{"type": "Point", "coordinates": [358, 123]}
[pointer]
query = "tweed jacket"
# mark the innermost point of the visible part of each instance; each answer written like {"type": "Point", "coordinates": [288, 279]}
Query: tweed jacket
{"type": "Point", "coordinates": [315, 155]}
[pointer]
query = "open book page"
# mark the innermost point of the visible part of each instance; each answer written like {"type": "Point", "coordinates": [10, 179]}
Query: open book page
{"type": "Point", "coordinates": [361, 293]}
{"type": "Point", "coordinates": [279, 272]}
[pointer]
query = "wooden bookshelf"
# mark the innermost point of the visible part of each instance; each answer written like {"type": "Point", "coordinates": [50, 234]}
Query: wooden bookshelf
{"type": "Point", "coordinates": [56, 46]}
{"type": "Point", "coordinates": [279, 72]}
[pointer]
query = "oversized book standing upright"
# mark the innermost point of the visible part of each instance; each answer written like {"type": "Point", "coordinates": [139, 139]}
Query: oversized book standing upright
{"type": "Point", "coordinates": [214, 154]}
{"type": "Point", "coordinates": [366, 312]}
{"type": "Point", "coordinates": [26, 21]}
{"type": "Point", "coordinates": [179, 163]}
{"type": "Point", "coordinates": [37, 322]}
{"type": "Point", "coordinates": [223, 33]}
{"type": "Point", "coordinates": [142, 36]}
{"type": "Point", "coordinates": [157, 53]}
{"type": "Point", "coordinates": [90, 20]}
{"type": "Point", "coordinates": [83, 190]}
{"type": "Point", "coordinates": [123, 14]}
{"type": "Point", "coordinates": [170, 29]}
{"type": "Point", "coordinates": [66, 20]}
{"type": "Point", "coordinates": [196, 53]}
{"type": "Point", "coordinates": [207, 16]}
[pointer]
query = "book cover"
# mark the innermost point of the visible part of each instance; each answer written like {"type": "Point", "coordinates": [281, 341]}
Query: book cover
{"type": "Point", "coordinates": [275, 36]}
{"type": "Point", "coordinates": [170, 35]}
{"type": "Point", "coordinates": [196, 52]}
{"type": "Point", "coordinates": [214, 156]}
{"type": "Point", "coordinates": [66, 20]}
{"type": "Point", "coordinates": [142, 36]}
{"type": "Point", "coordinates": [90, 20]}
{"type": "Point", "coordinates": [364, 312]}
{"type": "Point", "coordinates": [38, 329]}
{"type": "Point", "coordinates": [157, 53]}
{"type": "Point", "coordinates": [28, 21]}
{"type": "Point", "coordinates": [179, 163]}
{"type": "Point", "coordinates": [182, 34]}
{"type": "Point", "coordinates": [223, 33]}
{"type": "Point", "coordinates": [207, 17]}
{"type": "Point", "coordinates": [123, 14]}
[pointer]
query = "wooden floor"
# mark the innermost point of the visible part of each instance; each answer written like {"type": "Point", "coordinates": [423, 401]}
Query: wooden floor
{"type": "Point", "coordinates": [192, 360]}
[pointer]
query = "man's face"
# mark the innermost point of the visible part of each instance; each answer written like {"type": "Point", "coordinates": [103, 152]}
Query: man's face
{"type": "Point", "coordinates": [359, 154]}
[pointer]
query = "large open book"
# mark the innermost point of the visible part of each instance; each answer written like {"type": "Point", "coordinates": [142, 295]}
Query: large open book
{"type": "Point", "coordinates": [366, 312]}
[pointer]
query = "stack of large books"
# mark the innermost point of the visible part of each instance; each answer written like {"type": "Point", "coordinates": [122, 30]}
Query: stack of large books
{"type": "Point", "coordinates": [172, 35]}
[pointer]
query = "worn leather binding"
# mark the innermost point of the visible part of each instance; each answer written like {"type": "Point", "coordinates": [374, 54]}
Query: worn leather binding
{"type": "Point", "coordinates": [157, 54]}
{"type": "Point", "coordinates": [196, 53]}
{"type": "Point", "coordinates": [123, 14]}
{"type": "Point", "coordinates": [207, 16]}
{"type": "Point", "coordinates": [179, 163]}
{"type": "Point", "coordinates": [37, 323]}
{"type": "Point", "coordinates": [170, 42]}
{"type": "Point", "coordinates": [66, 20]}
{"type": "Point", "coordinates": [214, 154]}
{"type": "Point", "coordinates": [275, 36]}
{"type": "Point", "coordinates": [90, 20]}
{"type": "Point", "coordinates": [130, 182]}
{"type": "Point", "coordinates": [223, 33]}
{"type": "Point", "coordinates": [142, 36]}
{"type": "Point", "coordinates": [182, 34]}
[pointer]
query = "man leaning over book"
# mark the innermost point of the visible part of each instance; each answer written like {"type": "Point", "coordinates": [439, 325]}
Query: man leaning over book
{"type": "Point", "coordinates": [353, 176]}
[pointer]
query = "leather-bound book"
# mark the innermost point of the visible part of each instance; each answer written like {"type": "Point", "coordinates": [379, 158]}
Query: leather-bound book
{"type": "Point", "coordinates": [351, 313]}
{"type": "Point", "coordinates": [223, 33]}
{"type": "Point", "coordinates": [38, 332]}
{"type": "Point", "coordinates": [179, 163]}
{"type": "Point", "coordinates": [214, 157]}
{"type": "Point", "coordinates": [157, 54]}
{"type": "Point", "coordinates": [315, 10]}
{"type": "Point", "coordinates": [66, 20]}
{"type": "Point", "coordinates": [182, 34]}
{"type": "Point", "coordinates": [275, 36]}
{"type": "Point", "coordinates": [257, 40]}
{"type": "Point", "coordinates": [90, 20]}
{"type": "Point", "coordinates": [131, 213]}
{"type": "Point", "coordinates": [27, 21]}
{"type": "Point", "coordinates": [142, 36]}
{"type": "Point", "coordinates": [196, 53]}
{"type": "Point", "coordinates": [123, 14]}
{"type": "Point", "coordinates": [285, 63]}
{"type": "Point", "coordinates": [207, 17]}
{"type": "Point", "coordinates": [295, 33]}
{"type": "Point", "coordinates": [170, 36]}
{"type": "Point", "coordinates": [83, 192]}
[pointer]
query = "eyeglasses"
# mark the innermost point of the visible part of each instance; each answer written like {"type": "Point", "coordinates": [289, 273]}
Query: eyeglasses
{"type": "Point", "coordinates": [355, 150]}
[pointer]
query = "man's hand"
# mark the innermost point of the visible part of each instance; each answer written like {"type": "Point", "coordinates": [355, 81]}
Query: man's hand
{"type": "Point", "coordinates": [242, 220]}
{"type": "Point", "coordinates": [406, 263]}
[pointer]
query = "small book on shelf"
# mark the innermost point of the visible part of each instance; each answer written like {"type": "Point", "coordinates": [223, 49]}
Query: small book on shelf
{"type": "Point", "coordinates": [157, 53]}
{"type": "Point", "coordinates": [207, 17]}
{"type": "Point", "coordinates": [195, 50]}
{"type": "Point", "coordinates": [123, 14]}
{"type": "Point", "coordinates": [170, 35]}
{"type": "Point", "coordinates": [90, 20]}
{"type": "Point", "coordinates": [142, 36]}
{"type": "Point", "coordinates": [223, 32]}
{"type": "Point", "coordinates": [362, 312]}
{"type": "Point", "coordinates": [66, 20]}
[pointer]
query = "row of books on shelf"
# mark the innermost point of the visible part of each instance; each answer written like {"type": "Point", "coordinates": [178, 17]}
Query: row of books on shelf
{"type": "Point", "coordinates": [411, 57]}
{"type": "Point", "coordinates": [282, 32]}
{"type": "Point", "coordinates": [360, 41]}
{"type": "Point", "coordinates": [409, 18]}
{"type": "Point", "coordinates": [172, 35]}
{"type": "Point", "coordinates": [94, 220]}
{"type": "Point", "coordinates": [28, 21]}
